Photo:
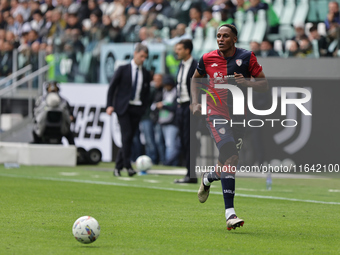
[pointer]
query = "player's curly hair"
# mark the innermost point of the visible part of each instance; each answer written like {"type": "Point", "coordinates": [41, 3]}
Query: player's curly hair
{"type": "Point", "coordinates": [232, 27]}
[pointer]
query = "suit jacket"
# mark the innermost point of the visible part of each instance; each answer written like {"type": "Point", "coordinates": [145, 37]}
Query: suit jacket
{"type": "Point", "coordinates": [119, 92]}
{"type": "Point", "coordinates": [191, 72]}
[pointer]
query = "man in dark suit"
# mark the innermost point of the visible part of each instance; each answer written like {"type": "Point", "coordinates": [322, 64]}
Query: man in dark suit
{"type": "Point", "coordinates": [185, 72]}
{"type": "Point", "coordinates": [127, 96]}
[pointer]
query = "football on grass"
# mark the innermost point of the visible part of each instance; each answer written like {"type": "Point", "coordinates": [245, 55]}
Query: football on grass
{"type": "Point", "coordinates": [86, 229]}
{"type": "Point", "coordinates": [143, 163]}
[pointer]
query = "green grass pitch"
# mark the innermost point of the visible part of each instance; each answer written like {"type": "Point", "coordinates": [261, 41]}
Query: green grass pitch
{"type": "Point", "coordinates": [151, 215]}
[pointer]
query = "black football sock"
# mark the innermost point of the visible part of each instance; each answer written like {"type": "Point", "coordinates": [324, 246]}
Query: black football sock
{"type": "Point", "coordinates": [212, 176]}
{"type": "Point", "coordinates": [228, 189]}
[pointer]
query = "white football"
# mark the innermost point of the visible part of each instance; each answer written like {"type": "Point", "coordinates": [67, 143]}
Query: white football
{"type": "Point", "coordinates": [143, 163]}
{"type": "Point", "coordinates": [86, 229]}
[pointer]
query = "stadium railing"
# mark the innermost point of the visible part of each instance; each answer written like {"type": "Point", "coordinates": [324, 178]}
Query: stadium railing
{"type": "Point", "coordinates": [15, 75]}
{"type": "Point", "coordinates": [29, 93]}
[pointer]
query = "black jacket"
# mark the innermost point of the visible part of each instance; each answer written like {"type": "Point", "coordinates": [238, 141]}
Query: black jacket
{"type": "Point", "coordinates": [119, 91]}
{"type": "Point", "coordinates": [191, 72]}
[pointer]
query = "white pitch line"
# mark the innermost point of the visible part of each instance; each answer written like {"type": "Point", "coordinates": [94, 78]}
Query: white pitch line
{"type": "Point", "coordinates": [334, 190]}
{"type": "Point", "coordinates": [151, 181]}
{"type": "Point", "coordinates": [163, 188]}
{"type": "Point", "coordinates": [69, 173]}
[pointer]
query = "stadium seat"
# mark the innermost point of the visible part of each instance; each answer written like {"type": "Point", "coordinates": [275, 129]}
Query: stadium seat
{"type": "Point", "coordinates": [173, 22]}
{"type": "Point", "coordinates": [210, 40]}
{"type": "Point", "coordinates": [163, 19]}
{"type": "Point", "coordinates": [312, 13]}
{"type": "Point", "coordinates": [247, 29]}
{"type": "Point", "coordinates": [287, 46]}
{"type": "Point", "coordinates": [109, 8]}
{"type": "Point", "coordinates": [333, 45]}
{"type": "Point", "coordinates": [288, 13]}
{"type": "Point", "coordinates": [301, 12]}
{"type": "Point", "coordinates": [217, 16]}
{"type": "Point", "coordinates": [165, 33]}
{"type": "Point", "coordinates": [322, 29]}
{"type": "Point", "coordinates": [322, 8]}
{"type": "Point", "coordinates": [188, 31]}
{"type": "Point", "coordinates": [260, 26]}
{"type": "Point", "coordinates": [307, 27]}
{"type": "Point", "coordinates": [286, 32]}
{"type": "Point", "coordinates": [278, 7]}
{"type": "Point", "coordinates": [239, 20]}
{"type": "Point", "coordinates": [86, 23]}
{"type": "Point", "coordinates": [103, 7]}
{"type": "Point", "coordinates": [198, 40]}
{"type": "Point", "coordinates": [22, 60]}
{"type": "Point", "coordinates": [278, 47]}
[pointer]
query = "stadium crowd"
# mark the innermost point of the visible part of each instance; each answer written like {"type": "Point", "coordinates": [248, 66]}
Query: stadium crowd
{"type": "Point", "coordinates": [75, 28]}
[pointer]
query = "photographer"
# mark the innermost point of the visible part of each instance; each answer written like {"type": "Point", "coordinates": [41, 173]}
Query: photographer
{"type": "Point", "coordinates": [52, 117]}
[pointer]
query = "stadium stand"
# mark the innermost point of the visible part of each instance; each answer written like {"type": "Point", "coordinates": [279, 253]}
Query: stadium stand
{"type": "Point", "coordinates": [260, 27]}
{"type": "Point", "coordinates": [278, 47]}
{"type": "Point", "coordinates": [198, 42]}
{"type": "Point", "coordinates": [301, 12]}
{"type": "Point", "coordinates": [322, 7]}
{"type": "Point", "coordinates": [312, 12]}
{"type": "Point", "coordinates": [247, 31]}
{"type": "Point", "coordinates": [239, 19]}
{"type": "Point", "coordinates": [288, 13]}
{"type": "Point", "coordinates": [322, 29]}
{"type": "Point", "coordinates": [278, 7]}
{"type": "Point", "coordinates": [210, 41]}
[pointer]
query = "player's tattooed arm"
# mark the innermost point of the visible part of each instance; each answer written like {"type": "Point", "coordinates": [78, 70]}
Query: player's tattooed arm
{"type": "Point", "coordinates": [259, 85]}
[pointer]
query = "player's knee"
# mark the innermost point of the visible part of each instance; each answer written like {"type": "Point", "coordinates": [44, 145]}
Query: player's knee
{"type": "Point", "coordinates": [232, 161]}
{"type": "Point", "coordinates": [228, 154]}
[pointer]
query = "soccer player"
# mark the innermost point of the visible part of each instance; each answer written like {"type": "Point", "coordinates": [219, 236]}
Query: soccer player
{"type": "Point", "coordinates": [222, 64]}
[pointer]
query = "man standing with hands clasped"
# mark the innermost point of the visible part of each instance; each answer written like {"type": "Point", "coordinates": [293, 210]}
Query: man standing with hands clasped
{"type": "Point", "coordinates": [186, 70]}
{"type": "Point", "coordinates": [225, 65]}
{"type": "Point", "coordinates": [127, 96]}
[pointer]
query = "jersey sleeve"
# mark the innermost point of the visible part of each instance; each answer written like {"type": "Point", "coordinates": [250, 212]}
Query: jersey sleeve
{"type": "Point", "coordinates": [254, 67]}
{"type": "Point", "coordinates": [201, 67]}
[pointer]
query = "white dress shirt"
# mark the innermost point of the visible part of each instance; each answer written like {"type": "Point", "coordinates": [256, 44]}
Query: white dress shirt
{"type": "Point", "coordinates": [136, 100]}
{"type": "Point", "coordinates": [182, 86]}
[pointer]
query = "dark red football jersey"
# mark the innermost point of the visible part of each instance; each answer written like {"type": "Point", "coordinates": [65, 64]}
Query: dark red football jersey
{"type": "Point", "coordinates": [221, 70]}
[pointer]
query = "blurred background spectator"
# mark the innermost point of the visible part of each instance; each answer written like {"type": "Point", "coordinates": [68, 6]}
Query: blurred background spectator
{"type": "Point", "coordinates": [157, 83]}
{"type": "Point", "coordinates": [299, 31]}
{"type": "Point", "coordinates": [333, 15]}
{"type": "Point", "coordinates": [208, 19]}
{"type": "Point", "coordinates": [255, 47]}
{"type": "Point", "coordinates": [293, 48]}
{"type": "Point", "coordinates": [273, 19]}
{"type": "Point", "coordinates": [166, 107]}
{"type": "Point", "coordinates": [87, 24]}
{"type": "Point", "coordinates": [267, 49]}
{"type": "Point", "coordinates": [196, 19]}
{"type": "Point", "coordinates": [322, 41]}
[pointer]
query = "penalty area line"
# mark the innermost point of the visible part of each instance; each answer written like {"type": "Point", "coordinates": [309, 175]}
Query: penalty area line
{"type": "Point", "coordinates": [164, 188]}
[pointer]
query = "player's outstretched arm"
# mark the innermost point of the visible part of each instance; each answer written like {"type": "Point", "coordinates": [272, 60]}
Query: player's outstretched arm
{"type": "Point", "coordinates": [195, 106]}
{"type": "Point", "coordinates": [259, 85]}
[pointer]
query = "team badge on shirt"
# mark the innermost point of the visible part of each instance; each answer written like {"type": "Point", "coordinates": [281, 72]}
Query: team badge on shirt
{"type": "Point", "coordinates": [239, 62]}
{"type": "Point", "coordinates": [222, 131]}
